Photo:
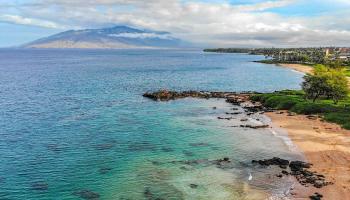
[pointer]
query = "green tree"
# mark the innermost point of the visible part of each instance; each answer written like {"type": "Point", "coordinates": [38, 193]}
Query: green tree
{"type": "Point", "coordinates": [338, 85]}
{"type": "Point", "coordinates": [314, 86]}
{"type": "Point", "coordinates": [334, 64]}
{"type": "Point", "coordinates": [326, 82]}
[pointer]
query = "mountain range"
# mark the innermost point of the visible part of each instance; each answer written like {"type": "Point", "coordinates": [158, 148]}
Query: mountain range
{"type": "Point", "coordinates": [117, 37]}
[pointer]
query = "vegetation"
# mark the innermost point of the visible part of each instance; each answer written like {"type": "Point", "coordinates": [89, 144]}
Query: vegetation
{"type": "Point", "coordinates": [228, 50]}
{"type": "Point", "coordinates": [326, 82]}
{"type": "Point", "coordinates": [322, 55]}
{"type": "Point", "coordinates": [325, 92]}
{"type": "Point", "coordinates": [295, 101]}
{"type": "Point", "coordinates": [347, 72]}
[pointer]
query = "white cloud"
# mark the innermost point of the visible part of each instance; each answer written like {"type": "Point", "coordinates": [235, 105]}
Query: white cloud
{"type": "Point", "coordinates": [29, 21]}
{"type": "Point", "coordinates": [141, 35]}
{"type": "Point", "coordinates": [216, 24]}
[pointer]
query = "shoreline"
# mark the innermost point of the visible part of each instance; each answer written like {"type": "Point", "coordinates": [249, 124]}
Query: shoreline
{"type": "Point", "coordinates": [297, 67]}
{"type": "Point", "coordinates": [325, 146]}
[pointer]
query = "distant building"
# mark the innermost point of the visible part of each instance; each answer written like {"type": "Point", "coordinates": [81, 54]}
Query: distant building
{"type": "Point", "coordinates": [327, 52]}
{"type": "Point", "coordinates": [344, 56]}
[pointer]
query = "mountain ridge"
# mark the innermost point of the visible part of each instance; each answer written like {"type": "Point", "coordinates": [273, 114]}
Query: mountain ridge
{"type": "Point", "coordinates": [116, 37]}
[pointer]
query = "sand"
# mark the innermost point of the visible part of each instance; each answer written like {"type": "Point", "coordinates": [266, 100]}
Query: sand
{"type": "Point", "coordinates": [297, 67]}
{"type": "Point", "coordinates": [326, 146]}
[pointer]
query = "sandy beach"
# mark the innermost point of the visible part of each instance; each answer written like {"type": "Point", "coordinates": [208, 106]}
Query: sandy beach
{"type": "Point", "coordinates": [297, 67]}
{"type": "Point", "coordinates": [326, 146]}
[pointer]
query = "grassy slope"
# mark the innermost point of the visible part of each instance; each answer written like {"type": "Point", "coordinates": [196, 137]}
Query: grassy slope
{"type": "Point", "coordinates": [294, 101]}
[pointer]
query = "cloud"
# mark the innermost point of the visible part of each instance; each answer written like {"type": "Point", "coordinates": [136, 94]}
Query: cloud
{"type": "Point", "coordinates": [29, 21]}
{"type": "Point", "coordinates": [141, 35]}
{"type": "Point", "coordinates": [211, 23]}
{"type": "Point", "coordinates": [265, 5]}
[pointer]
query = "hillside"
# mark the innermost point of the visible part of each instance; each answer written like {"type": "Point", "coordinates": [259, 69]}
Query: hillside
{"type": "Point", "coordinates": [118, 37]}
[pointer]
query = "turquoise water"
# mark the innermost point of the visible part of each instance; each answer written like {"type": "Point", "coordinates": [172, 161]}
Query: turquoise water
{"type": "Point", "coordinates": [76, 120]}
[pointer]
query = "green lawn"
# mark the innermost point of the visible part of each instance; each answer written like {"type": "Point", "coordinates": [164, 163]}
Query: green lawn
{"type": "Point", "coordinates": [294, 101]}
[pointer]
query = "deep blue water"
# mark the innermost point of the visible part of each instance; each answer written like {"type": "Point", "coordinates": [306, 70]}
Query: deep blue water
{"type": "Point", "coordinates": [75, 120]}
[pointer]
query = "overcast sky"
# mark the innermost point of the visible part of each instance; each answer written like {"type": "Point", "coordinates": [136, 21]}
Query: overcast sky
{"type": "Point", "coordinates": [219, 23]}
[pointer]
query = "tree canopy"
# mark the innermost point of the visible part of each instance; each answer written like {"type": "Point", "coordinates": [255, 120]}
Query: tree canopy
{"type": "Point", "coordinates": [327, 82]}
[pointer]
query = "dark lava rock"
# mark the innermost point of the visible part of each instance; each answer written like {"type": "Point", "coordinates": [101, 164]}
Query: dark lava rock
{"type": "Point", "coordinates": [298, 165]}
{"type": "Point", "coordinates": [254, 108]}
{"type": "Point", "coordinates": [274, 161]}
{"type": "Point", "coordinates": [227, 118]}
{"type": "Point", "coordinates": [312, 117]}
{"type": "Point", "coordinates": [184, 168]}
{"type": "Point", "coordinates": [156, 162]}
{"type": "Point", "coordinates": [147, 193]}
{"type": "Point", "coordinates": [191, 162]}
{"type": "Point", "coordinates": [188, 153]}
{"type": "Point", "coordinates": [104, 170]}
{"type": "Point", "coordinates": [54, 148]}
{"type": "Point", "coordinates": [166, 95]}
{"type": "Point", "coordinates": [87, 194]}
{"type": "Point", "coordinates": [167, 149]}
{"type": "Point", "coordinates": [233, 113]}
{"type": "Point", "coordinates": [222, 163]}
{"type": "Point", "coordinates": [142, 146]}
{"type": "Point", "coordinates": [40, 186]}
{"type": "Point", "coordinates": [199, 144]}
{"type": "Point", "coordinates": [285, 172]}
{"type": "Point", "coordinates": [316, 196]}
{"type": "Point", "coordinates": [298, 170]}
{"type": "Point", "coordinates": [193, 186]}
{"type": "Point", "coordinates": [254, 126]}
{"type": "Point", "coordinates": [291, 113]}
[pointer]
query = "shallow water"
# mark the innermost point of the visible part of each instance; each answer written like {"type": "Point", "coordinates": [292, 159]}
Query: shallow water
{"type": "Point", "coordinates": [76, 120]}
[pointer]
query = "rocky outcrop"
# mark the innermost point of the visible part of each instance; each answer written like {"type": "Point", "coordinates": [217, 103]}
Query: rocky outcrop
{"type": "Point", "coordinates": [239, 99]}
{"type": "Point", "coordinates": [298, 169]}
{"type": "Point", "coordinates": [316, 196]}
{"type": "Point", "coordinates": [274, 161]}
{"type": "Point", "coordinates": [166, 95]}
{"type": "Point", "coordinates": [254, 126]}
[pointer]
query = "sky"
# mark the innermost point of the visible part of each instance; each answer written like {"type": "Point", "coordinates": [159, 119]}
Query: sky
{"type": "Point", "coordinates": [210, 23]}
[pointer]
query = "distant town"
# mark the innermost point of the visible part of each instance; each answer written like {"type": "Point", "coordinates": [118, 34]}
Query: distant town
{"type": "Point", "coordinates": [318, 55]}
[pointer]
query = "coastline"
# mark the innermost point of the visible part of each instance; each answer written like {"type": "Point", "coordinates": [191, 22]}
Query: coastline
{"type": "Point", "coordinates": [325, 146]}
{"type": "Point", "coordinates": [297, 67]}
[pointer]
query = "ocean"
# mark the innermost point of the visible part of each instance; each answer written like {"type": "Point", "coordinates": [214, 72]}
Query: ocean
{"type": "Point", "coordinates": [74, 125]}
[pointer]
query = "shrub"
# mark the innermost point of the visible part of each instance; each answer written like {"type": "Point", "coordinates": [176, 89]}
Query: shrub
{"type": "Point", "coordinates": [295, 102]}
{"type": "Point", "coordinates": [342, 118]}
{"type": "Point", "coordinates": [281, 102]}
